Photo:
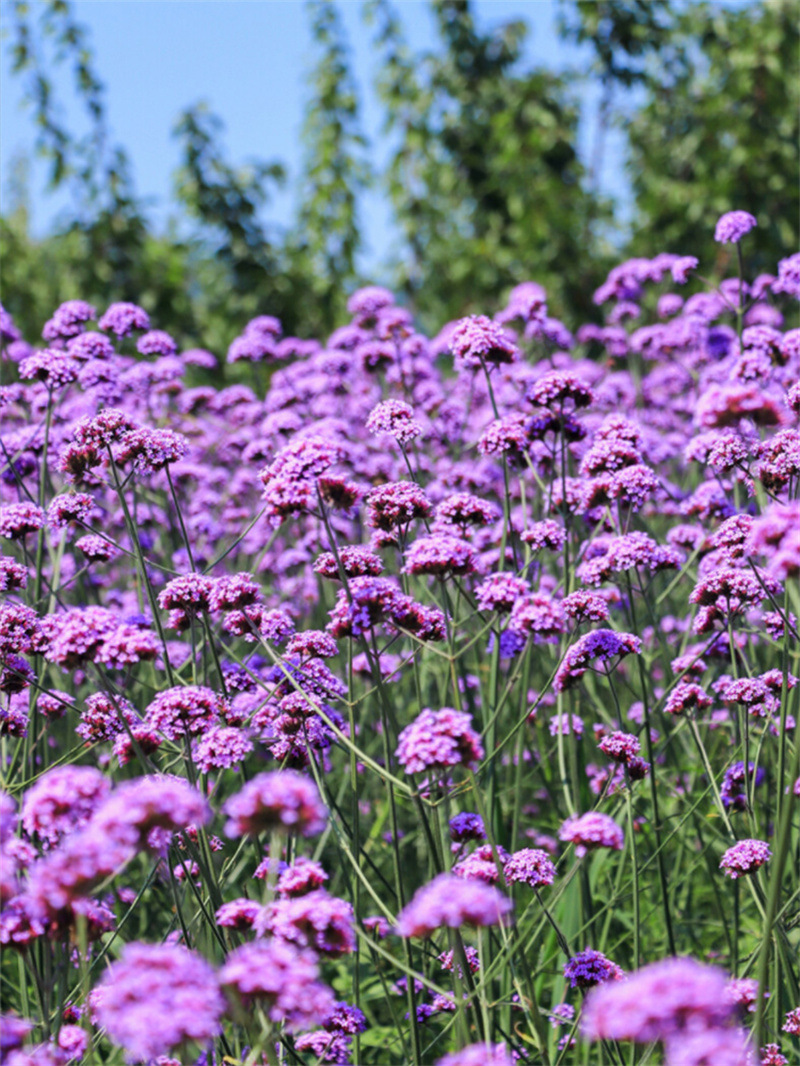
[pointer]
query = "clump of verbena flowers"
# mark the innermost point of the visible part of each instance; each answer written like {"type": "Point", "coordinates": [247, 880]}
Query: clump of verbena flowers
{"type": "Point", "coordinates": [437, 703]}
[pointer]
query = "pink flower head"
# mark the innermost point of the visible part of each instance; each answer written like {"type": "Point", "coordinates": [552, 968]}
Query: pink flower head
{"type": "Point", "coordinates": [451, 901]}
{"type": "Point", "coordinates": [283, 799]}
{"type": "Point", "coordinates": [440, 554]}
{"type": "Point", "coordinates": [476, 340]}
{"type": "Point", "coordinates": [601, 645]}
{"type": "Point", "coordinates": [19, 519]}
{"type": "Point", "coordinates": [732, 226]}
{"type": "Point", "coordinates": [478, 1055]}
{"type": "Point", "coordinates": [395, 418]}
{"type": "Point", "coordinates": [281, 977]}
{"type": "Point", "coordinates": [437, 740]}
{"type": "Point", "coordinates": [530, 866]}
{"type": "Point", "coordinates": [745, 857]}
{"type": "Point", "coordinates": [155, 998]}
{"type": "Point", "coordinates": [122, 318]}
{"type": "Point", "coordinates": [621, 747]}
{"type": "Point", "coordinates": [591, 830]}
{"type": "Point", "coordinates": [658, 1002]}
{"type": "Point", "coordinates": [589, 968]}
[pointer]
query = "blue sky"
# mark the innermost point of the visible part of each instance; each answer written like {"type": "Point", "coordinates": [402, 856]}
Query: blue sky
{"type": "Point", "coordinates": [249, 59]}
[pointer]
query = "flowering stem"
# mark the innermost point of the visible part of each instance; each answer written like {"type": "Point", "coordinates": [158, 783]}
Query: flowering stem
{"type": "Point", "coordinates": [662, 874]}
{"type": "Point", "coordinates": [142, 568]}
{"type": "Point", "coordinates": [782, 849]}
{"type": "Point", "coordinates": [637, 935]}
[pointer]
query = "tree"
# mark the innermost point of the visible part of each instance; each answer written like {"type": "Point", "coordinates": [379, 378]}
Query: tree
{"type": "Point", "coordinates": [327, 233]}
{"type": "Point", "coordinates": [105, 250]}
{"type": "Point", "coordinates": [485, 178]}
{"type": "Point", "coordinates": [719, 130]}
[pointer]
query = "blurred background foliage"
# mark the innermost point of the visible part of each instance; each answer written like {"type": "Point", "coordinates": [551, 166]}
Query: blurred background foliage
{"type": "Point", "coordinates": [483, 174]}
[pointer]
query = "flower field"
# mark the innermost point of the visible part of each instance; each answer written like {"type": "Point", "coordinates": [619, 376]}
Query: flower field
{"type": "Point", "coordinates": [424, 700]}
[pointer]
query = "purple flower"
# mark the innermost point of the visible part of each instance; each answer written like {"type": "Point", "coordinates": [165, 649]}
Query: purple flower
{"type": "Point", "coordinates": [745, 857]}
{"type": "Point", "coordinates": [562, 1014]}
{"type": "Point", "coordinates": [8, 817]}
{"type": "Point", "coordinates": [467, 826]}
{"type": "Point", "coordinates": [657, 1002]}
{"type": "Point", "coordinates": [184, 709]}
{"type": "Point", "coordinates": [19, 519]}
{"type": "Point", "coordinates": [621, 747]}
{"type": "Point", "coordinates": [539, 617]}
{"type": "Point", "coordinates": [473, 961]}
{"type": "Point", "coordinates": [90, 347]}
{"type": "Point", "coordinates": [770, 1054]}
{"type": "Point", "coordinates": [63, 800]}
{"type": "Point", "coordinates": [680, 271]}
{"type": "Point", "coordinates": [583, 606]}
{"type": "Point", "coordinates": [440, 554]}
{"type": "Point", "coordinates": [396, 505]}
{"type": "Point", "coordinates": [437, 740]}
{"type": "Point", "coordinates": [396, 419]}
{"type": "Point", "coordinates": [276, 626]}
{"type": "Point", "coordinates": [732, 226]}
{"type": "Point", "coordinates": [156, 998]}
{"type": "Point", "coordinates": [530, 866]}
{"type": "Point", "coordinates": [355, 560]}
{"type": "Point", "coordinates": [303, 876]}
{"type": "Point", "coordinates": [591, 830]}
{"type": "Point", "coordinates": [100, 430]}
{"type": "Point", "coordinates": [69, 507]}
{"type": "Point", "coordinates": [732, 789]}
{"type": "Point", "coordinates": [190, 593]}
{"type": "Point", "coordinates": [283, 979]}
{"type": "Point", "coordinates": [481, 864]}
{"type": "Point", "coordinates": [156, 342]}
{"type": "Point", "coordinates": [461, 510]}
{"type": "Point", "coordinates": [151, 449]}
{"type": "Point", "coordinates": [505, 436]}
{"type": "Point", "coordinates": [8, 331]}
{"type": "Point", "coordinates": [545, 534]}
{"type": "Point", "coordinates": [607, 556]}
{"type": "Point", "coordinates": [221, 747]}
{"type": "Point", "coordinates": [589, 968]}
{"type": "Point", "coordinates": [498, 592]}
{"type": "Point", "coordinates": [68, 320]}
{"type": "Point", "coordinates": [13, 575]}
{"type": "Point", "coordinates": [451, 901]}
{"type": "Point", "coordinates": [13, 1031]}
{"type": "Point", "coordinates": [314, 919]}
{"type": "Point", "coordinates": [284, 800]}
{"type": "Point", "coordinates": [325, 1046]}
{"type": "Point", "coordinates": [559, 390]}
{"type": "Point", "coordinates": [365, 303]}
{"type": "Point", "coordinates": [478, 1055]}
{"type": "Point", "coordinates": [73, 1040]}
{"type": "Point", "coordinates": [528, 302]}
{"type": "Point", "coordinates": [788, 276]}
{"type": "Point", "coordinates": [601, 644]}
{"type": "Point", "coordinates": [346, 1019]}
{"type": "Point", "coordinates": [744, 993]}
{"type": "Point", "coordinates": [238, 914]}
{"type": "Point", "coordinates": [122, 318]}
{"type": "Point", "coordinates": [476, 340]}
{"type": "Point", "coordinates": [20, 629]}
{"type": "Point", "coordinates": [712, 1047]}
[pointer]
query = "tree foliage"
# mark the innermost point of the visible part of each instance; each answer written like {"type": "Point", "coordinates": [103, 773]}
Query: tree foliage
{"type": "Point", "coordinates": [485, 180]}
{"type": "Point", "coordinates": [483, 176]}
{"type": "Point", "coordinates": [328, 233]}
{"type": "Point", "coordinates": [720, 130]}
